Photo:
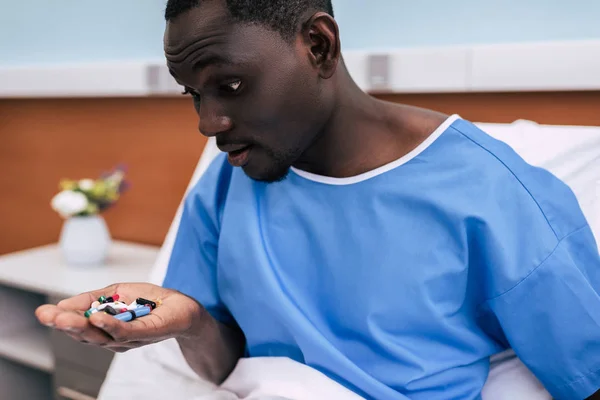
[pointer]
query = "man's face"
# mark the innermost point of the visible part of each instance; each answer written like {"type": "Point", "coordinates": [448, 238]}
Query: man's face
{"type": "Point", "coordinates": [257, 93]}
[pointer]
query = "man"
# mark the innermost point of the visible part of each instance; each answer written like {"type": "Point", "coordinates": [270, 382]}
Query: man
{"type": "Point", "coordinates": [392, 248]}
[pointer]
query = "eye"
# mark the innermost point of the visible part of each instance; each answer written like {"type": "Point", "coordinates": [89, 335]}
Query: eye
{"type": "Point", "coordinates": [232, 87]}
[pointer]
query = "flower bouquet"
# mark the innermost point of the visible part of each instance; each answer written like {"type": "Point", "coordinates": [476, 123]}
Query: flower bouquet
{"type": "Point", "coordinates": [87, 197]}
{"type": "Point", "coordinates": [84, 238]}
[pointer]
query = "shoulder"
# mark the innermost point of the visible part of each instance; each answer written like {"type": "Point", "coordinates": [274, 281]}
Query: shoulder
{"type": "Point", "coordinates": [206, 198]}
{"type": "Point", "coordinates": [500, 170]}
{"type": "Point", "coordinates": [214, 180]}
{"type": "Point", "coordinates": [513, 215]}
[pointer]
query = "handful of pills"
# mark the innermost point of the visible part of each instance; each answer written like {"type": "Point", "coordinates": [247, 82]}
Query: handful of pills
{"type": "Point", "coordinates": [121, 311]}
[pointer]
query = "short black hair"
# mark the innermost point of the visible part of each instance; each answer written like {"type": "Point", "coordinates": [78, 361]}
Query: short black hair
{"type": "Point", "coordinates": [280, 15]}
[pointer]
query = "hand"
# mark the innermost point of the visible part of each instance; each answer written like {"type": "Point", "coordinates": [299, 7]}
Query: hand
{"type": "Point", "coordinates": [173, 318]}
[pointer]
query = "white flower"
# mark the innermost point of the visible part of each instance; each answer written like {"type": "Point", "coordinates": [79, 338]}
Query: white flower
{"type": "Point", "coordinates": [68, 203]}
{"type": "Point", "coordinates": [86, 184]}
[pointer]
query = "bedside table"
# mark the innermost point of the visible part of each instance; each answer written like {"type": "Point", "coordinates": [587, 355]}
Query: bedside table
{"type": "Point", "coordinates": [37, 362]}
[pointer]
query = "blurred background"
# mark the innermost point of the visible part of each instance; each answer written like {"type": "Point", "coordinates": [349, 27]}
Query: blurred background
{"type": "Point", "coordinates": [64, 31]}
{"type": "Point", "coordinates": [73, 99]}
{"type": "Point", "coordinates": [83, 89]}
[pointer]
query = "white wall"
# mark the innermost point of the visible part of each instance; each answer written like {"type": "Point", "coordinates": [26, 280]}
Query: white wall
{"type": "Point", "coordinates": [67, 31]}
{"type": "Point", "coordinates": [409, 23]}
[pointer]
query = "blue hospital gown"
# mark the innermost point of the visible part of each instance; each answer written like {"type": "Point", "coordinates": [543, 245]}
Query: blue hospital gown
{"type": "Point", "coordinates": [402, 282]}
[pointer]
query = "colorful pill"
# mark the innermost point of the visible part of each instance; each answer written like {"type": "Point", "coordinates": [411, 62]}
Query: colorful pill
{"type": "Point", "coordinates": [111, 311]}
{"type": "Point", "coordinates": [90, 312]}
{"type": "Point", "coordinates": [130, 315]}
{"type": "Point", "coordinates": [144, 302]}
{"type": "Point", "coordinates": [111, 299]}
{"type": "Point", "coordinates": [114, 304]}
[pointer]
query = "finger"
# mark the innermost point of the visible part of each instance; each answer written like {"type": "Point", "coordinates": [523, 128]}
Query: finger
{"type": "Point", "coordinates": [150, 327]}
{"type": "Point", "coordinates": [92, 336]}
{"type": "Point", "coordinates": [154, 326]}
{"type": "Point", "coordinates": [72, 322]}
{"type": "Point", "coordinates": [79, 329]}
{"type": "Point", "coordinates": [84, 300]}
{"type": "Point", "coordinates": [120, 331]}
{"type": "Point", "coordinates": [73, 336]}
{"type": "Point", "coordinates": [47, 313]}
{"type": "Point", "coordinates": [95, 336]}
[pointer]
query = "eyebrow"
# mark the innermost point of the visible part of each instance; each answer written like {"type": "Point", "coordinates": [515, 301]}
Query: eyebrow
{"type": "Point", "coordinates": [203, 62]}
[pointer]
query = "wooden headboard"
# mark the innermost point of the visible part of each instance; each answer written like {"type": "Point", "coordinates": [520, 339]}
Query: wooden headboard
{"type": "Point", "coordinates": [44, 140]}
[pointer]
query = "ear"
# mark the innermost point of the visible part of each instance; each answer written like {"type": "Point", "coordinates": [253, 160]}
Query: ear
{"type": "Point", "coordinates": [321, 36]}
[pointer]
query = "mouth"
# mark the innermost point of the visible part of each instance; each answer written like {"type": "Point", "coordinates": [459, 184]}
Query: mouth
{"type": "Point", "coordinates": [239, 157]}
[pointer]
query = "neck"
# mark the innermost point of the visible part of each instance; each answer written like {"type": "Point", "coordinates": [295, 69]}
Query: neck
{"type": "Point", "coordinates": [364, 133]}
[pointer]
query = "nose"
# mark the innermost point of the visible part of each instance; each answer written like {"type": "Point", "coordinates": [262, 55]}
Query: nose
{"type": "Point", "coordinates": [212, 120]}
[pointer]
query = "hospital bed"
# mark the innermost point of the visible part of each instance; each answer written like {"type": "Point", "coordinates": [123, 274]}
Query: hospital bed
{"type": "Point", "coordinates": [159, 371]}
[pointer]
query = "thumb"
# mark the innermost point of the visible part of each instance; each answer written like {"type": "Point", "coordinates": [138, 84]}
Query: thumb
{"type": "Point", "coordinates": [158, 325]}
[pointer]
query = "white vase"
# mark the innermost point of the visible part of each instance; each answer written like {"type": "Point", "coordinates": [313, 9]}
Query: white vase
{"type": "Point", "coordinates": [85, 240]}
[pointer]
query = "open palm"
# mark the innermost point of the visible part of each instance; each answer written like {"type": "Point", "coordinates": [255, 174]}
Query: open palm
{"type": "Point", "coordinates": [173, 317]}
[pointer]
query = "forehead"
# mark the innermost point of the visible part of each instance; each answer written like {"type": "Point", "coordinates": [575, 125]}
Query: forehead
{"type": "Point", "coordinates": [210, 29]}
{"type": "Point", "coordinates": [206, 40]}
{"type": "Point", "coordinates": [202, 26]}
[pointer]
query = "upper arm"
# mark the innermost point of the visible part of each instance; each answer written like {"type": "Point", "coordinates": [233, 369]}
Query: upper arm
{"type": "Point", "coordinates": [192, 267]}
{"type": "Point", "coordinates": [551, 317]}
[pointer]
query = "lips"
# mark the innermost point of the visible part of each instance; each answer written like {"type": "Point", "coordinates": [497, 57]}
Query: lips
{"type": "Point", "coordinates": [238, 156]}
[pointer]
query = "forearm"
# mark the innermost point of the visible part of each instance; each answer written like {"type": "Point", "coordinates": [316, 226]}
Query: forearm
{"type": "Point", "coordinates": [211, 348]}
